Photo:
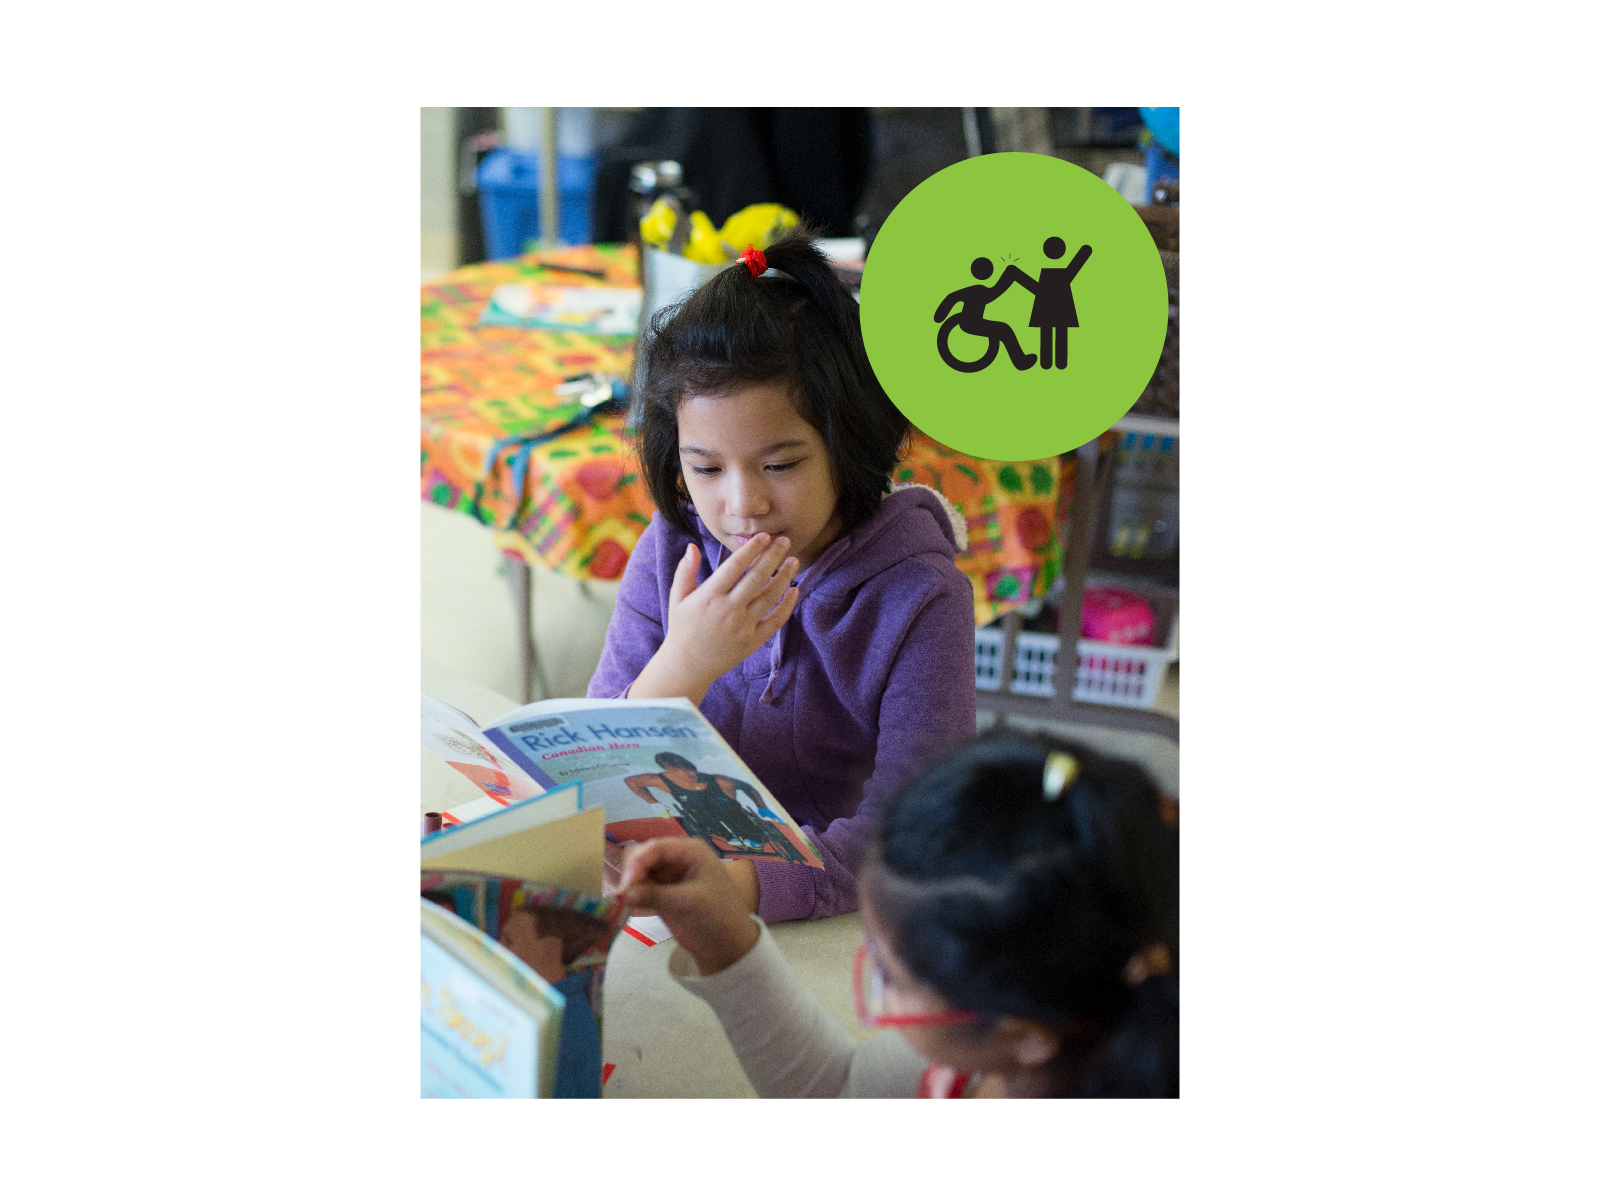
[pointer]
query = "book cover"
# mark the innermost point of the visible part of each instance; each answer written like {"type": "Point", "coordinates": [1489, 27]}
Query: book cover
{"type": "Point", "coordinates": [550, 838]}
{"type": "Point", "coordinates": [659, 769]}
{"type": "Point", "coordinates": [525, 878]}
{"type": "Point", "coordinates": [602, 311]}
{"type": "Point", "coordinates": [490, 1024]}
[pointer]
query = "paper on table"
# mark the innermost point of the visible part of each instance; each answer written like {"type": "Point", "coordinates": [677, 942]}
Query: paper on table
{"type": "Point", "coordinates": [472, 810]}
{"type": "Point", "coordinates": [606, 311]}
{"type": "Point", "coordinates": [652, 930]}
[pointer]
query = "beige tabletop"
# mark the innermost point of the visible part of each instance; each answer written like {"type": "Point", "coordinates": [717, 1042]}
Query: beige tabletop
{"type": "Point", "coordinates": [661, 1039]}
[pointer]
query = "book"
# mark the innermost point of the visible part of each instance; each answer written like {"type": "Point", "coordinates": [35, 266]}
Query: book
{"type": "Point", "coordinates": [525, 881]}
{"type": "Point", "coordinates": [490, 1024]}
{"type": "Point", "coordinates": [599, 311]}
{"type": "Point", "coordinates": [454, 736]}
{"type": "Point", "coordinates": [655, 766]}
{"type": "Point", "coordinates": [549, 839]}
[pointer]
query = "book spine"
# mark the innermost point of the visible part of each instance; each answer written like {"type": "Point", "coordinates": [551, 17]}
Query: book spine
{"type": "Point", "coordinates": [466, 904]}
{"type": "Point", "coordinates": [494, 918]}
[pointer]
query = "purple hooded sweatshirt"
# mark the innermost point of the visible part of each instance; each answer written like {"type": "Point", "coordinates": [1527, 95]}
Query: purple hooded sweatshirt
{"type": "Point", "coordinates": [867, 683]}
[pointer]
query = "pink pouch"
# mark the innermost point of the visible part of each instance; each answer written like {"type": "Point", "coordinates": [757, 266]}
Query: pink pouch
{"type": "Point", "coordinates": [1121, 617]}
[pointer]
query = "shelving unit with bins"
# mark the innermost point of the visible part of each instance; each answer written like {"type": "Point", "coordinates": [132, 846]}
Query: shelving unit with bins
{"type": "Point", "coordinates": [1057, 690]}
{"type": "Point", "coordinates": [1091, 502]}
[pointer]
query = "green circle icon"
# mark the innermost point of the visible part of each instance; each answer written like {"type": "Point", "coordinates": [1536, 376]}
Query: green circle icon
{"type": "Point", "coordinates": [1014, 306]}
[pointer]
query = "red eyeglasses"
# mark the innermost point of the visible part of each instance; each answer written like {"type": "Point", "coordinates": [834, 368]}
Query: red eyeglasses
{"type": "Point", "coordinates": [870, 1001]}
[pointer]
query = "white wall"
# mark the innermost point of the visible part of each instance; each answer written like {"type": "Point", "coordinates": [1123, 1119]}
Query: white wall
{"type": "Point", "coordinates": [439, 195]}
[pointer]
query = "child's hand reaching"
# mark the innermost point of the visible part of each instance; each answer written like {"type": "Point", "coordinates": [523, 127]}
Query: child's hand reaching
{"type": "Point", "coordinates": [682, 880]}
{"type": "Point", "coordinates": [713, 627]}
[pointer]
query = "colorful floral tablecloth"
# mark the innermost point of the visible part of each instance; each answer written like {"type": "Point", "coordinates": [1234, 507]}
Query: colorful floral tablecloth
{"type": "Point", "coordinates": [575, 501]}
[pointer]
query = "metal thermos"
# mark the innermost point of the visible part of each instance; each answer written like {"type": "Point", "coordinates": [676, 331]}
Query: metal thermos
{"type": "Point", "coordinates": [647, 183]}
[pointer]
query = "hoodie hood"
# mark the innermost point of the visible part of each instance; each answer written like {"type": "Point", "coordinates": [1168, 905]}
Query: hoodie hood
{"type": "Point", "coordinates": [913, 521]}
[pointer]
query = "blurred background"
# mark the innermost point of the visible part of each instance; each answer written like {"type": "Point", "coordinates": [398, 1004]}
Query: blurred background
{"type": "Point", "coordinates": [488, 194]}
{"type": "Point", "coordinates": [843, 168]}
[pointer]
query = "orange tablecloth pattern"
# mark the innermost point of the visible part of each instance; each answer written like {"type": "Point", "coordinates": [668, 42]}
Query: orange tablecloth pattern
{"type": "Point", "coordinates": [582, 504]}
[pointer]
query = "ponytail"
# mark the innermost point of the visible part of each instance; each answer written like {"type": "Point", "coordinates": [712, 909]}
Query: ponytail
{"type": "Point", "coordinates": [1013, 889]}
{"type": "Point", "coordinates": [1141, 1057]}
{"type": "Point", "coordinates": [798, 325]}
{"type": "Point", "coordinates": [797, 256]}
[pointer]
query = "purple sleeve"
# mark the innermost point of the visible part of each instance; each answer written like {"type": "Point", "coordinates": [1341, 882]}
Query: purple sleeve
{"type": "Point", "coordinates": [636, 628]}
{"type": "Point", "coordinates": [929, 707]}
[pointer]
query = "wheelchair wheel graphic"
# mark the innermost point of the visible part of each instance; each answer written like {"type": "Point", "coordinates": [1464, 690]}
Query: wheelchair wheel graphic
{"type": "Point", "coordinates": [955, 363]}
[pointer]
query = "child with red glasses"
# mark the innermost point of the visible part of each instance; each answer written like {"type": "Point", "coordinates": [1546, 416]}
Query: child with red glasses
{"type": "Point", "coordinates": [1020, 934]}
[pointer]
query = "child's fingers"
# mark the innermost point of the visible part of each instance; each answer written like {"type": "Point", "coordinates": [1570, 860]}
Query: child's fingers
{"type": "Point", "coordinates": [663, 860]}
{"type": "Point", "coordinates": [703, 898]}
{"type": "Point", "coordinates": [736, 564]}
{"type": "Point", "coordinates": [638, 863]}
{"type": "Point", "coordinates": [770, 623]}
{"type": "Point", "coordinates": [775, 587]}
{"type": "Point", "coordinates": [663, 871]}
{"type": "Point", "coordinates": [611, 877]}
{"type": "Point", "coordinates": [640, 899]}
{"type": "Point", "coordinates": [684, 576]}
{"type": "Point", "coordinates": [761, 572]}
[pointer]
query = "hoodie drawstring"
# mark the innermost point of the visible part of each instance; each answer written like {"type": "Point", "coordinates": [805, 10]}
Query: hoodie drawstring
{"type": "Point", "coordinates": [803, 583]}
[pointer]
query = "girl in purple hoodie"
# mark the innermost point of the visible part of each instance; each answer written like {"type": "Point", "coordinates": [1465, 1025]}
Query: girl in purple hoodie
{"type": "Point", "coordinates": [813, 613]}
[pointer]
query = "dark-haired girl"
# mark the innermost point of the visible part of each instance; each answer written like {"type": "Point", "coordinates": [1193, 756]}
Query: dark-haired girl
{"type": "Point", "coordinates": [1020, 933]}
{"type": "Point", "coordinates": [813, 613]}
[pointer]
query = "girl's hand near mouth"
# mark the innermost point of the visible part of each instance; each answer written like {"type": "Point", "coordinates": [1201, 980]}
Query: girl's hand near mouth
{"type": "Point", "coordinates": [713, 627]}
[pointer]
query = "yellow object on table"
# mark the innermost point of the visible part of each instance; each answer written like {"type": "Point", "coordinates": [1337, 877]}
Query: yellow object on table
{"type": "Point", "coordinates": [704, 244]}
{"type": "Point", "coordinates": [758, 225]}
{"type": "Point", "coordinates": [657, 225]}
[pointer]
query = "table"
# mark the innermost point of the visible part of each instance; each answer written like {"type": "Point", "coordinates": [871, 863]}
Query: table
{"type": "Point", "coordinates": [665, 1042]}
{"type": "Point", "coordinates": [662, 1040]}
{"type": "Point", "coordinates": [576, 504]}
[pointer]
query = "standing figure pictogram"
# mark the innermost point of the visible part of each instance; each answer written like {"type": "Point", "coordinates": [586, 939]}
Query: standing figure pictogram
{"type": "Point", "coordinates": [1054, 313]}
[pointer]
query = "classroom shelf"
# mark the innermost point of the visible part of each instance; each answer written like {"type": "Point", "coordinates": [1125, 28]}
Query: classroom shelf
{"type": "Point", "coordinates": [1090, 502]}
{"type": "Point", "coordinates": [1159, 426]}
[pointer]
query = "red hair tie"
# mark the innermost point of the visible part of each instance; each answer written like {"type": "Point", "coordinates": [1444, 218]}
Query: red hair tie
{"type": "Point", "coordinates": [755, 261]}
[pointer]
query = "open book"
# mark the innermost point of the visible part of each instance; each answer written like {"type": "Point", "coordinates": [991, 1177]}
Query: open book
{"type": "Point", "coordinates": [655, 765]}
{"type": "Point", "coordinates": [512, 983]}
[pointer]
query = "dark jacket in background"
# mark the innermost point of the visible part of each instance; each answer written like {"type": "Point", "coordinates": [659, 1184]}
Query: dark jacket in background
{"type": "Point", "coordinates": [814, 160]}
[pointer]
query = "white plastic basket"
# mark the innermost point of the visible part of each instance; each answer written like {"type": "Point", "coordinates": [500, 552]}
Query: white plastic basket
{"type": "Point", "coordinates": [1121, 676]}
{"type": "Point", "coordinates": [987, 647]}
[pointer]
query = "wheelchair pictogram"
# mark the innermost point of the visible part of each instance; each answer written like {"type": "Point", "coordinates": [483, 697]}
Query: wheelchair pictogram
{"type": "Point", "coordinates": [1053, 312]}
